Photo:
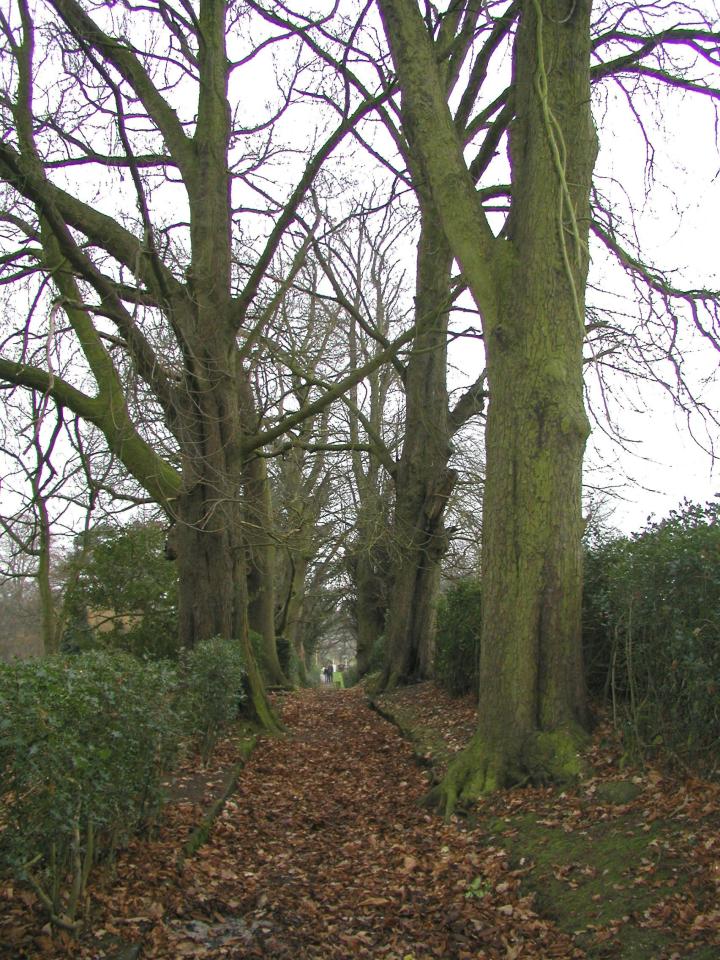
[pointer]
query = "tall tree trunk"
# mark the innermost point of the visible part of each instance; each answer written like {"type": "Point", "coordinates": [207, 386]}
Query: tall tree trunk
{"type": "Point", "coordinates": [532, 699]}
{"type": "Point", "coordinates": [209, 536]}
{"type": "Point", "coordinates": [206, 588]}
{"type": "Point", "coordinates": [423, 482]}
{"type": "Point", "coordinates": [261, 568]}
{"type": "Point", "coordinates": [211, 542]}
{"type": "Point", "coordinates": [529, 286]}
{"type": "Point", "coordinates": [370, 603]}
{"type": "Point", "coordinates": [294, 610]}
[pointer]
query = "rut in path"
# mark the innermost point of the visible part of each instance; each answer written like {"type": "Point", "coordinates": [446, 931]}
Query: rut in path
{"type": "Point", "coordinates": [325, 852]}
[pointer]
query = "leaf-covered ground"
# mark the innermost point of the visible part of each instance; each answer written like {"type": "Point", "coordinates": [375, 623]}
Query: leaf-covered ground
{"type": "Point", "coordinates": [324, 851]}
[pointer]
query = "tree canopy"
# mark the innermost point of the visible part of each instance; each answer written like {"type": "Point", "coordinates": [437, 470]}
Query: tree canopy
{"type": "Point", "coordinates": [184, 189]}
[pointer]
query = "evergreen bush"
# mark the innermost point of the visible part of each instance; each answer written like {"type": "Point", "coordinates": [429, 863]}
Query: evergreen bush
{"type": "Point", "coordinates": [652, 633]}
{"type": "Point", "coordinates": [457, 644]}
{"type": "Point", "coordinates": [377, 657]}
{"type": "Point", "coordinates": [122, 592]}
{"type": "Point", "coordinates": [213, 675]}
{"type": "Point", "coordinates": [84, 742]}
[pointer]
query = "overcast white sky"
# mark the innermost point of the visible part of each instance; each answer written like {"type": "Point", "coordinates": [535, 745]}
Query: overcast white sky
{"type": "Point", "coordinates": [678, 226]}
{"type": "Point", "coordinates": [660, 463]}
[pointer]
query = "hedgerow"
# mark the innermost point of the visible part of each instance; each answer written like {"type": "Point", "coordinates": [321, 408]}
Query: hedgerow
{"type": "Point", "coordinates": [212, 676]}
{"type": "Point", "coordinates": [652, 634]}
{"type": "Point", "coordinates": [457, 644]}
{"type": "Point", "coordinates": [85, 742]}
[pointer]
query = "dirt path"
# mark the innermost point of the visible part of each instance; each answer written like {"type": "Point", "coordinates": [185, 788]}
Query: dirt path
{"type": "Point", "coordinates": [324, 852]}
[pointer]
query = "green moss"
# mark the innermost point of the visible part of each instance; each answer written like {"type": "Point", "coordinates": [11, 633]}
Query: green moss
{"type": "Point", "coordinates": [372, 683]}
{"type": "Point", "coordinates": [552, 757]}
{"type": "Point", "coordinates": [476, 771]}
{"type": "Point", "coordinates": [589, 879]}
{"type": "Point", "coordinates": [617, 791]}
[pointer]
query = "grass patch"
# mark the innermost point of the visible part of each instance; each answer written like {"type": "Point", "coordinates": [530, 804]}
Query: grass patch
{"type": "Point", "coordinates": [600, 882]}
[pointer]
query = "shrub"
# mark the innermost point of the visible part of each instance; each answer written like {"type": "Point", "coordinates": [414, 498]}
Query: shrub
{"type": "Point", "coordinates": [457, 645]}
{"type": "Point", "coordinates": [84, 742]}
{"type": "Point", "coordinates": [651, 629]}
{"type": "Point", "coordinates": [213, 675]}
{"type": "Point", "coordinates": [350, 676]}
{"type": "Point", "coordinates": [122, 592]}
{"type": "Point", "coordinates": [376, 662]}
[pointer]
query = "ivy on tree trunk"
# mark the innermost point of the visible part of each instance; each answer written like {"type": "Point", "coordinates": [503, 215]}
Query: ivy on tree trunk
{"type": "Point", "coordinates": [529, 288]}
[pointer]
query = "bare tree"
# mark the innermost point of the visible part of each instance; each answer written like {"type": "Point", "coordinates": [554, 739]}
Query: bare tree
{"type": "Point", "coordinates": [135, 186]}
{"type": "Point", "coordinates": [528, 280]}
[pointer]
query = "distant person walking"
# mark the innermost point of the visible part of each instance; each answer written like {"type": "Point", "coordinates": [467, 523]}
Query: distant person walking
{"type": "Point", "coordinates": [328, 673]}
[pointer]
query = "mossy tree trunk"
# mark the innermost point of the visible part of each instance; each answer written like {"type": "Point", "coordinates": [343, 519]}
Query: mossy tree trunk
{"type": "Point", "coordinates": [422, 483]}
{"type": "Point", "coordinates": [259, 525]}
{"type": "Point", "coordinates": [368, 571]}
{"type": "Point", "coordinates": [295, 608]}
{"type": "Point", "coordinates": [529, 287]}
{"type": "Point", "coordinates": [215, 415]}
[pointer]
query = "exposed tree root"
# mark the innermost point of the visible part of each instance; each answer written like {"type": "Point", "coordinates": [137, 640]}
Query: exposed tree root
{"type": "Point", "coordinates": [482, 767]}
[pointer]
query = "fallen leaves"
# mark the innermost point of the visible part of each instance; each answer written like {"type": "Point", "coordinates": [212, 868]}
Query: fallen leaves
{"type": "Point", "coordinates": [324, 852]}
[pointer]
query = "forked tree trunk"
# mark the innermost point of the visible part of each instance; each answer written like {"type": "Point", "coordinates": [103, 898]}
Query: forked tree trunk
{"type": "Point", "coordinates": [423, 482]}
{"type": "Point", "coordinates": [217, 411]}
{"type": "Point", "coordinates": [529, 286]}
{"type": "Point", "coordinates": [532, 699]}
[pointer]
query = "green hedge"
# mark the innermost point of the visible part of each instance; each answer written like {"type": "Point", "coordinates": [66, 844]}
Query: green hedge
{"type": "Point", "coordinates": [85, 742]}
{"type": "Point", "coordinates": [652, 634]}
{"type": "Point", "coordinates": [212, 675]}
{"type": "Point", "coordinates": [457, 644]}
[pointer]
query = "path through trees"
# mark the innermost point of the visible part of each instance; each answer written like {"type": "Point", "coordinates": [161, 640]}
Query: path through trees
{"type": "Point", "coordinates": [323, 851]}
{"type": "Point", "coordinates": [327, 853]}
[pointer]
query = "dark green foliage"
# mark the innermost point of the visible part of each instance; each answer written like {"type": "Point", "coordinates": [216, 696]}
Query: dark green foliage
{"type": "Point", "coordinates": [377, 657]}
{"type": "Point", "coordinates": [350, 676]}
{"type": "Point", "coordinates": [652, 633]}
{"type": "Point", "coordinates": [374, 667]}
{"type": "Point", "coordinates": [124, 583]}
{"type": "Point", "coordinates": [84, 742]}
{"type": "Point", "coordinates": [212, 675]}
{"type": "Point", "coordinates": [457, 645]}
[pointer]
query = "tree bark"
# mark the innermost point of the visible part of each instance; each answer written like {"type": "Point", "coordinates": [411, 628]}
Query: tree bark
{"type": "Point", "coordinates": [261, 567]}
{"type": "Point", "coordinates": [295, 607]}
{"type": "Point", "coordinates": [423, 482]}
{"type": "Point", "coordinates": [529, 287]}
{"type": "Point", "coordinates": [532, 707]}
{"type": "Point", "coordinates": [371, 594]}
